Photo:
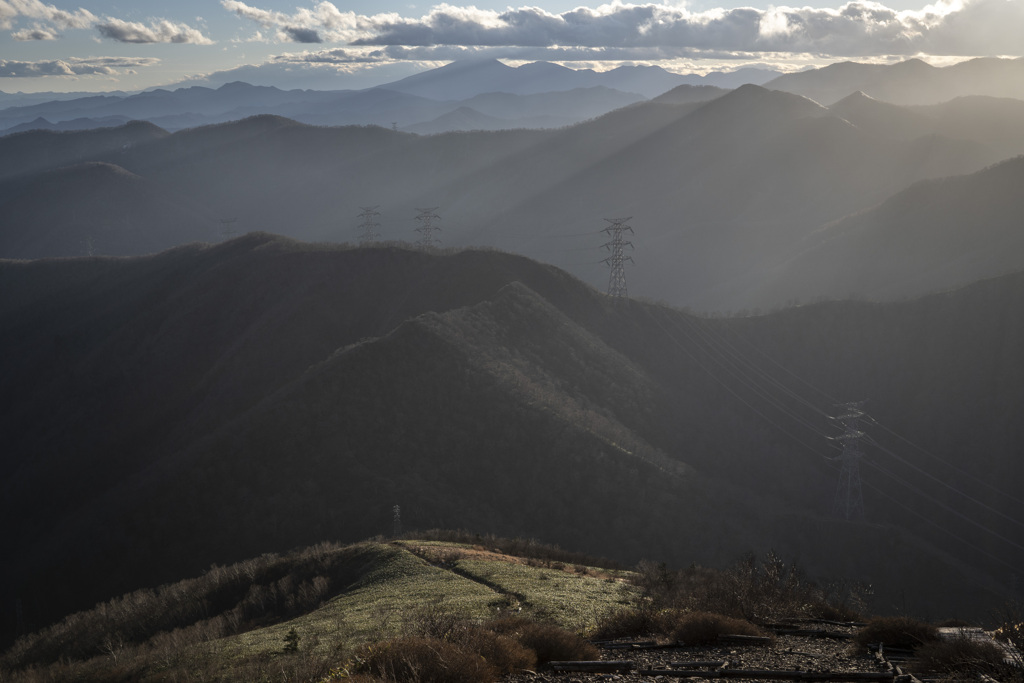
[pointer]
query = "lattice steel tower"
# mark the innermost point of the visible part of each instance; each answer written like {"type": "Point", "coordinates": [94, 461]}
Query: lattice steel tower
{"type": "Point", "coordinates": [617, 260]}
{"type": "Point", "coordinates": [369, 226]}
{"type": "Point", "coordinates": [227, 227]}
{"type": "Point", "coordinates": [849, 503]}
{"type": "Point", "coordinates": [426, 217]}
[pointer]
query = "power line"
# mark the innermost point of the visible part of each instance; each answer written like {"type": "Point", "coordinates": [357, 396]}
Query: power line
{"type": "Point", "coordinates": [747, 373]}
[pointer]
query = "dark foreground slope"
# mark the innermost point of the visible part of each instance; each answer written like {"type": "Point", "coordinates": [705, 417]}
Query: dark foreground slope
{"type": "Point", "coordinates": [211, 403]}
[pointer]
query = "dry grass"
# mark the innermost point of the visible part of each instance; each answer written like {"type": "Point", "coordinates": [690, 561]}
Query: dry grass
{"type": "Point", "coordinates": [548, 641]}
{"type": "Point", "coordinates": [902, 632]}
{"type": "Point", "coordinates": [688, 628]}
{"type": "Point", "coordinates": [960, 658]}
{"type": "Point", "coordinates": [703, 628]}
{"type": "Point", "coordinates": [423, 659]}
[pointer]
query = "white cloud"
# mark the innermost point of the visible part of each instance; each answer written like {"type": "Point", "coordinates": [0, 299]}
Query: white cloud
{"type": "Point", "coordinates": [40, 11]}
{"type": "Point", "coordinates": [92, 66]}
{"type": "Point", "coordinates": [859, 28]}
{"type": "Point", "coordinates": [159, 31]}
{"type": "Point", "coordinates": [37, 32]}
{"type": "Point", "coordinates": [323, 22]}
{"type": "Point", "coordinates": [50, 19]}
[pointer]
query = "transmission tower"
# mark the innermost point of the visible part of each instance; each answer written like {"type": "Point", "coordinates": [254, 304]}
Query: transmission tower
{"type": "Point", "coordinates": [849, 503]}
{"type": "Point", "coordinates": [396, 530]}
{"type": "Point", "coordinates": [227, 227]}
{"type": "Point", "coordinates": [617, 260]}
{"type": "Point", "coordinates": [426, 217]}
{"type": "Point", "coordinates": [369, 226]}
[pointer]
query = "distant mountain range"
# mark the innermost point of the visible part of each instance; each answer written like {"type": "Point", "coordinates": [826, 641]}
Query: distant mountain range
{"type": "Point", "coordinates": [444, 98]}
{"type": "Point", "coordinates": [909, 83]}
{"type": "Point", "coordinates": [487, 94]}
{"type": "Point", "coordinates": [208, 404]}
{"type": "Point", "coordinates": [725, 191]}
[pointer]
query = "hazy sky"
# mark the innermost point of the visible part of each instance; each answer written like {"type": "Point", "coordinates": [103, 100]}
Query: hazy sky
{"type": "Point", "coordinates": [134, 44]}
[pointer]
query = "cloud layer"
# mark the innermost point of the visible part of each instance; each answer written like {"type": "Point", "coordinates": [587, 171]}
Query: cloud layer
{"type": "Point", "coordinates": [159, 31]}
{"type": "Point", "coordinates": [49, 20]}
{"type": "Point", "coordinates": [856, 29]}
{"type": "Point", "coordinates": [102, 66]}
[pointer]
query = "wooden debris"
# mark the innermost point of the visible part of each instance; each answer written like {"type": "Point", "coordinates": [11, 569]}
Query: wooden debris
{"type": "Point", "coordinates": [699, 665]}
{"type": "Point", "coordinates": [745, 640]}
{"type": "Point", "coordinates": [598, 667]}
{"type": "Point", "coordinates": [815, 633]}
{"type": "Point", "coordinates": [861, 676]}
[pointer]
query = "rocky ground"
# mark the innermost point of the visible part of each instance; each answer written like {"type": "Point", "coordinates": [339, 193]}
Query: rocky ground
{"type": "Point", "coordinates": [789, 652]}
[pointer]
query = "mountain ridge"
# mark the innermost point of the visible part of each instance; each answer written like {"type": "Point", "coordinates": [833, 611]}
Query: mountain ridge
{"type": "Point", "coordinates": [273, 384]}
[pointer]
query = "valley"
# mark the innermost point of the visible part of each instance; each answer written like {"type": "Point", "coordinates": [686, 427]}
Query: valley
{"type": "Point", "coordinates": [210, 369]}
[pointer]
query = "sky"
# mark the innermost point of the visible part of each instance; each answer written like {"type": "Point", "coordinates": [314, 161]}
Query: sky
{"type": "Point", "coordinates": [129, 45]}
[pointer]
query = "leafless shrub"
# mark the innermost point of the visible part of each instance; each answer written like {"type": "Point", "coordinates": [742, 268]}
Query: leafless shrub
{"type": "Point", "coordinates": [759, 591]}
{"type": "Point", "coordinates": [419, 659]}
{"type": "Point", "coordinates": [902, 632]}
{"type": "Point", "coordinates": [961, 657]}
{"type": "Point", "coordinates": [703, 628]}
{"type": "Point", "coordinates": [548, 641]}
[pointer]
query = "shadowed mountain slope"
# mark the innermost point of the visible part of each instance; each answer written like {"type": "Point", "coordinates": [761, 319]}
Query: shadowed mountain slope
{"type": "Point", "coordinates": [102, 208]}
{"type": "Point", "coordinates": [211, 403]}
{"type": "Point", "coordinates": [935, 235]}
{"type": "Point", "coordinates": [41, 150]}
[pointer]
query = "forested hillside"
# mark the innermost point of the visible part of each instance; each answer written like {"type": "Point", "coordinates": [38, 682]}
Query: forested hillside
{"type": "Point", "coordinates": [210, 403]}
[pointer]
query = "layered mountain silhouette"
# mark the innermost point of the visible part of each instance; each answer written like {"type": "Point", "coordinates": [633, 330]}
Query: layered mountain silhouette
{"type": "Point", "coordinates": [932, 236]}
{"type": "Point", "coordinates": [211, 403]}
{"type": "Point", "coordinates": [912, 82]}
{"type": "Point", "coordinates": [533, 95]}
{"type": "Point", "coordinates": [723, 193]}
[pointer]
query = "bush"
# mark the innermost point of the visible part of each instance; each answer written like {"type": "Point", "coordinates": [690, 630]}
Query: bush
{"type": "Point", "coordinates": [902, 632]}
{"type": "Point", "coordinates": [631, 622]}
{"type": "Point", "coordinates": [703, 628]}
{"type": "Point", "coordinates": [549, 642]}
{"type": "Point", "coordinates": [766, 590]}
{"type": "Point", "coordinates": [688, 628]}
{"type": "Point", "coordinates": [419, 659]}
{"type": "Point", "coordinates": [961, 656]}
{"type": "Point", "coordinates": [505, 654]}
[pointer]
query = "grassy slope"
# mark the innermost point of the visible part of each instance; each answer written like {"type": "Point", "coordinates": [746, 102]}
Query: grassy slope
{"type": "Point", "coordinates": [389, 585]}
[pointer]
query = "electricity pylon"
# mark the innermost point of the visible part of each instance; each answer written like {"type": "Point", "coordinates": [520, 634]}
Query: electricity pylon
{"type": "Point", "coordinates": [369, 226]}
{"type": "Point", "coordinates": [426, 217]}
{"type": "Point", "coordinates": [227, 227]}
{"type": "Point", "coordinates": [849, 503]}
{"type": "Point", "coordinates": [617, 259]}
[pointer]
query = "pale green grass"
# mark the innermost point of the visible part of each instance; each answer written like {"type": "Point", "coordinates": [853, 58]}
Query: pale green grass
{"type": "Point", "coordinates": [390, 593]}
{"type": "Point", "coordinates": [575, 601]}
{"type": "Point", "coordinates": [395, 585]}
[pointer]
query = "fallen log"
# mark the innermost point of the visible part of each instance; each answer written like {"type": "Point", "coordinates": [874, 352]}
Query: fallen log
{"type": "Point", "coordinates": [597, 667]}
{"type": "Point", "coordinates": [764, 674]}
{"type": "Point", "coordinates": [815, 633]}
{"type": "Point", "coordinates": [733, 639]}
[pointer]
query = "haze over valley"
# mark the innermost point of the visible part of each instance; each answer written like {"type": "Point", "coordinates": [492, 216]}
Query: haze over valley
{"type": "Point", "coordinates": [639, 312]}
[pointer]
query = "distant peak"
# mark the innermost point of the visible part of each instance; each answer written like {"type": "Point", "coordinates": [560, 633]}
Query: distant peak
{"type": "Point", "coordinates": [859, 96]}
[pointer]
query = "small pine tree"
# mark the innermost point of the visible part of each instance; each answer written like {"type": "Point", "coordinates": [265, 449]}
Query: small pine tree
{"type": "Point", "coordinates": [291, 641]}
